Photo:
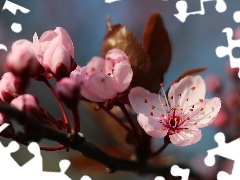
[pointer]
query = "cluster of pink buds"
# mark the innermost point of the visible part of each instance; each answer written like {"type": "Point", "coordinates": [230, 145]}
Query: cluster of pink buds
{"type": "Point", "coordinates": [50, 56]}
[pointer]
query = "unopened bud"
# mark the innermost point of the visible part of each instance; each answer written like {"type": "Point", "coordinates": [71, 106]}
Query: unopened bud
{"type": "Point", "coordinates": [22, 60]}
{"type": "Point", "coordinates": [68, 91]}
{"type": "Point", "coordinates": [11, 86]}
{"type": "Point", "coordinates": [25, 102]}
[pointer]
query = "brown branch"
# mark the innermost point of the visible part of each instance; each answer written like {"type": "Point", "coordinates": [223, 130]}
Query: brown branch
{"type": "Point", "coordinates": [79, 143]}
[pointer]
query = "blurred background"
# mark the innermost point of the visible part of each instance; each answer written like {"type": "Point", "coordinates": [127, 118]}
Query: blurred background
{"type": "Point", "coordinates": [194, 43]}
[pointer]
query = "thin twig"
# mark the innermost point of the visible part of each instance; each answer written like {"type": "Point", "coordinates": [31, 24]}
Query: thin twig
{"type": "Point", "coordinates": [65, 118]}
{"type": "Point", "coordinates": [135, 130]}
{"type": "Point", "coordinates": [160, 150]}
{"type": "Point", "coordinates": [117, 119]}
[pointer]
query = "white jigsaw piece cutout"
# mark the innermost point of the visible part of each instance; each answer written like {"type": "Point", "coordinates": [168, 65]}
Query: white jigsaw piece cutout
{"type": "Point", "coordinates": [111, 1]}
{"type": "Point", "coordinates": [12, 7]}
{"type": "Point", "coordinates": [177, 171]}
{"type": "Point", "coordinates": [182, 7]}
{"type": "Point", "coordinates": [222, 51]}
{"type": "Point", "coordinates": [33, 169]}
{"type": "Point", "coordinates": [227, 150]}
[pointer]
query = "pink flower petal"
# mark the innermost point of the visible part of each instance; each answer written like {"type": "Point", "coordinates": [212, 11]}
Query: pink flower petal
{"type": "Point", "coordinates": [86, 92]}
{"type": "Point", "coordinates": [151, 126]}
{"type": "Point", "coordinates": [184, 87]}
{"type": "Point", "coordinates": [96, 65]}
{"type": "Point", "coordinates": [37, 49]}
{"type": "Point", "coordinates": [203, 118]}
{"type": "Point", "coordinates": [186, 137]}
{"type": "Point", "coordinates": [79, 75]}
{"type": "Point", "coordinates": [66, 40]}
{"type": "Point", "coordinates": [113, 57]}
{"type": "Point", "coordinates": [137, 97]}
{"type": "Point", "coordinates": [46, 38]}
{"type": "Point", "coordinates": [123, 76]}
{"type": "Point", "coordinates": [102, 85]}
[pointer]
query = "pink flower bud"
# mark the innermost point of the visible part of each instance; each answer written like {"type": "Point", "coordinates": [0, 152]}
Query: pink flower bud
{"type": "Point", "coordinates": [213, 83]}
{"type": "Point", "coordinates": [68, 90]}
{"type": "Point", "coordinates": [113, 57]}
{"type": "Point", "coordinates": [22, 59]}
{"type": "Point", "coordinates": [26, 102]}
{"type": "Point", "coordinates": [52, 38]}
{"type": "Point", "coordinates": [4, 119]}
{"type": "Point", "coordinates": [58, 61]}
{"type": "Point", "coordinates": [11, 86]}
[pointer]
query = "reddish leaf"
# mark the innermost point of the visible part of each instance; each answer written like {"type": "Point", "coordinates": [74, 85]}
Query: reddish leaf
{"type": "Point", "coordinates": [191, 72]}
{"type": "Point", "coordinates": [157, 44]}
{"type": "Point", "coordinates": [120, 37]}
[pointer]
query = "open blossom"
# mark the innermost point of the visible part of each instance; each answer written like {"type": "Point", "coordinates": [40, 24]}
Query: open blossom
{"type": "Point", "coordinates": [22, 59]}
{"type": "Point", "coordinates": [55, 52]}
{"type": "Point", "coordinates": [101, 79]}
{"type": "Point", "coordinates": [181, 115]}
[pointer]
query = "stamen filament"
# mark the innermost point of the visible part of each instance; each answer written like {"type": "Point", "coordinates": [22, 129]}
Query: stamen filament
{"type": "Point", "coordinates": [165, 98]}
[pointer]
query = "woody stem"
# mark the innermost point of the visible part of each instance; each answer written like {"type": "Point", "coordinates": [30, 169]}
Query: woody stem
{"type": "Point", "coordinates": [76, 119]}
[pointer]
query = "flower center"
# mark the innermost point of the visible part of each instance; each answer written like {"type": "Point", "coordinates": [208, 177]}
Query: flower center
{"type": "Point", "coordinates": [173, 117]}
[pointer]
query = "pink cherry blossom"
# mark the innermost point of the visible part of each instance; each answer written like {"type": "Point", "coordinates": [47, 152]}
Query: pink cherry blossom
{"type": "Point", "coordinates": [22, 59]}
{"type": "Point", "coordinates": [101, 80]}
{"type": "Point", "coordinates": [11, 86]}
{"type": "Point", "coordinates": [181, 115]}
{"type": "Point", "coordinates": [68, 90]}
{"type": "Point", "coordinates": [55, 52]}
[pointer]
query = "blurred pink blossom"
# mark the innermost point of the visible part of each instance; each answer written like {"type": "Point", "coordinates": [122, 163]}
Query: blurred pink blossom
{"type": "Point", "coordinates": [22, 59]}
{"type": "Point", "coordinates": [233, 72]}
{"type": "Point", "coordinates": [181, 115]}
{"type": "Point", "coordinates": [213, 83]}
{"type": "Point", "coordinates": [221, 119]}
{"type": "Point", "coordinates": [101, 80]}
{"type": "Point", "coordinates": [237, 33]}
